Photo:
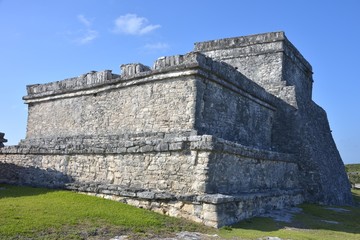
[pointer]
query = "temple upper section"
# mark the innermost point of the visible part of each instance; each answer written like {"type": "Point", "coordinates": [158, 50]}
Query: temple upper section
{"type": "Point", "coordinates": [268, 59]}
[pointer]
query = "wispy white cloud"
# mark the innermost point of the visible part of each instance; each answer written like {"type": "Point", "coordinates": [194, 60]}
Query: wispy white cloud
{"type": "Point", "coordinates": [133, 25]}
{"type": "Point", "coordinates": [88, 34]}
{"type": "Point", "coordinates": [84, 20]}
{"type": "Point", "coordinates": [157, 46]}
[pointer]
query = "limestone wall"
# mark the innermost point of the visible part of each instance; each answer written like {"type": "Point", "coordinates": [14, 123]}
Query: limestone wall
{"type": "Point", "coordinates": [152, 171]}
{"type": "Point", "coordinates": [299, 126]}
{"type": "Point", "coordinates": [227, 114]}
{"type": "Point", "coordinates": [133, 109]}
{"type": "Point", "coordinates": [202, 178]}
{"type": "Point", "coordinates": [178, 165]}
{"type": "Point", "coordinates": [182, 93]}
{"type": "Point", "coordinates": [267, 59]}
{"type": "Point", "coordinates": [252, 175]}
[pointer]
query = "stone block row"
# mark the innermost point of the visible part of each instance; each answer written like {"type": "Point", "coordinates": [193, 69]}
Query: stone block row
{"type": "Point", "coordinates": [142, 143]}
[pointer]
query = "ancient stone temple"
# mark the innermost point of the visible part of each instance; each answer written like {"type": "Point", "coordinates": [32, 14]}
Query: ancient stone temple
{"type": "Point", "coordinates": [220, 134]}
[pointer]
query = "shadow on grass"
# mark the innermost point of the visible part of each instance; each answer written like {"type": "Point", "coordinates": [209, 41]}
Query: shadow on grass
{"type": "Point", "coordinates": [356, 195]}
{"type": "Point", "coordinates": [313, 217]}
{"type": "Point", "coordinates": [12, 191]}
{"type": "Point", "coordinates": [12, 174]}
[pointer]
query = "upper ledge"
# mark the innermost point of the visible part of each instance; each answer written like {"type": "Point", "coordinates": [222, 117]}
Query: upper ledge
{"type": "Point", "coordinates": [87, 80]}
{"type": "Point", "coordinates": [244, 41]}
{"type": "Point", "coordinates": [130, 72]}
{"type": "Point", "coordinates": [138, 71]}
{"type": "Point", "coordinates": [144, 142]}
{"type": "Point", "coordinates": [193, 63]}
{"type": "Point", "coordinates": [239, 41]}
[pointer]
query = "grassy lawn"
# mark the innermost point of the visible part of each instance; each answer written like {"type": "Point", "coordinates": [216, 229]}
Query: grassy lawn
{"type": "Point", "coordinates": [37, 213]}
{"type": "Point", "coordinates": [352, 167]}
{"type": "Point", "coordinates": [51, 214]}
{"type": "Point", "coordinates": [353, 171]}
{"type": "Point", "coordinates": [314, 222]}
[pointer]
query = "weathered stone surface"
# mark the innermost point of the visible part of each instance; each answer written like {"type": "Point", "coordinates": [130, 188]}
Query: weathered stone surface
{"type": "Point", "coordinates": [129, 70]}
{"type": "Point", "coordinates": [188, 168]}
{"type": "Point", "coordinates": [217, 135]}
{"type": "Point", "coordinates": [2, 139]}
{"type": "Point", "coordinates": [274, 63]}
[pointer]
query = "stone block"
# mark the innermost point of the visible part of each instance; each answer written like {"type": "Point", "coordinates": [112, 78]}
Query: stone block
{"type": "Point", "coordinates": [164, 196]}
{"type": "Point", "coordinates": [162, 146]}
{"type": "Point", "coordinates": [128, 70]}
{"type": "Point", "coordinates": [146, 195]}
{"type": "Point", "coordinates": [176, 146]}
{"type": "Point", "coordinates": [168, 61]}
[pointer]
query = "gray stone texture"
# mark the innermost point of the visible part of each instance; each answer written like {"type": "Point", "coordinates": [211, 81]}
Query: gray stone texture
{"type": "Point", "coordinates": [274, 63]}
{"type": "Point", "coordinates": [217, 135]}
{"type": "Point", "coordinates": [2, 139]}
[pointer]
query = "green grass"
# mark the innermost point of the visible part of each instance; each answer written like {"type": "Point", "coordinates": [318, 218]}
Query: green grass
{"type": "Point", "coordinates": [51, 214]}
{"type": "Point", "coordinates": [356, 195]}
{"type": "Point", "coordinates": [37, 213]}
{"type": "Point", "coordinates": [353, 171]}
{"type": "Point", "coordinates": [352, 167]}
{"type": "Point", "coordinates": [309, 224]}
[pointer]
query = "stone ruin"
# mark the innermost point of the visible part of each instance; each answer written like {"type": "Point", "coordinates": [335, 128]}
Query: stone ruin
{"type": "Point", "coordinates": [2, 139]}
{"type": "Point", "coordinates": [223, 133]}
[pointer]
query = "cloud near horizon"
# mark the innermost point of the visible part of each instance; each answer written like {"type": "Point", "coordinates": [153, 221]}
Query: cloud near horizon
{"type": "Point", "coordinates": [132, 24]}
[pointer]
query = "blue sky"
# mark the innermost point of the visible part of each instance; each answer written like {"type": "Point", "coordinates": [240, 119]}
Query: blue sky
{"type": "Point", "coordinates": [43, 41]}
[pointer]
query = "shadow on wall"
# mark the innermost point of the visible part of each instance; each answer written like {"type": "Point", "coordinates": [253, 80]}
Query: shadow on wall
{"type": "Point", "coordinates": [32, 176]}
